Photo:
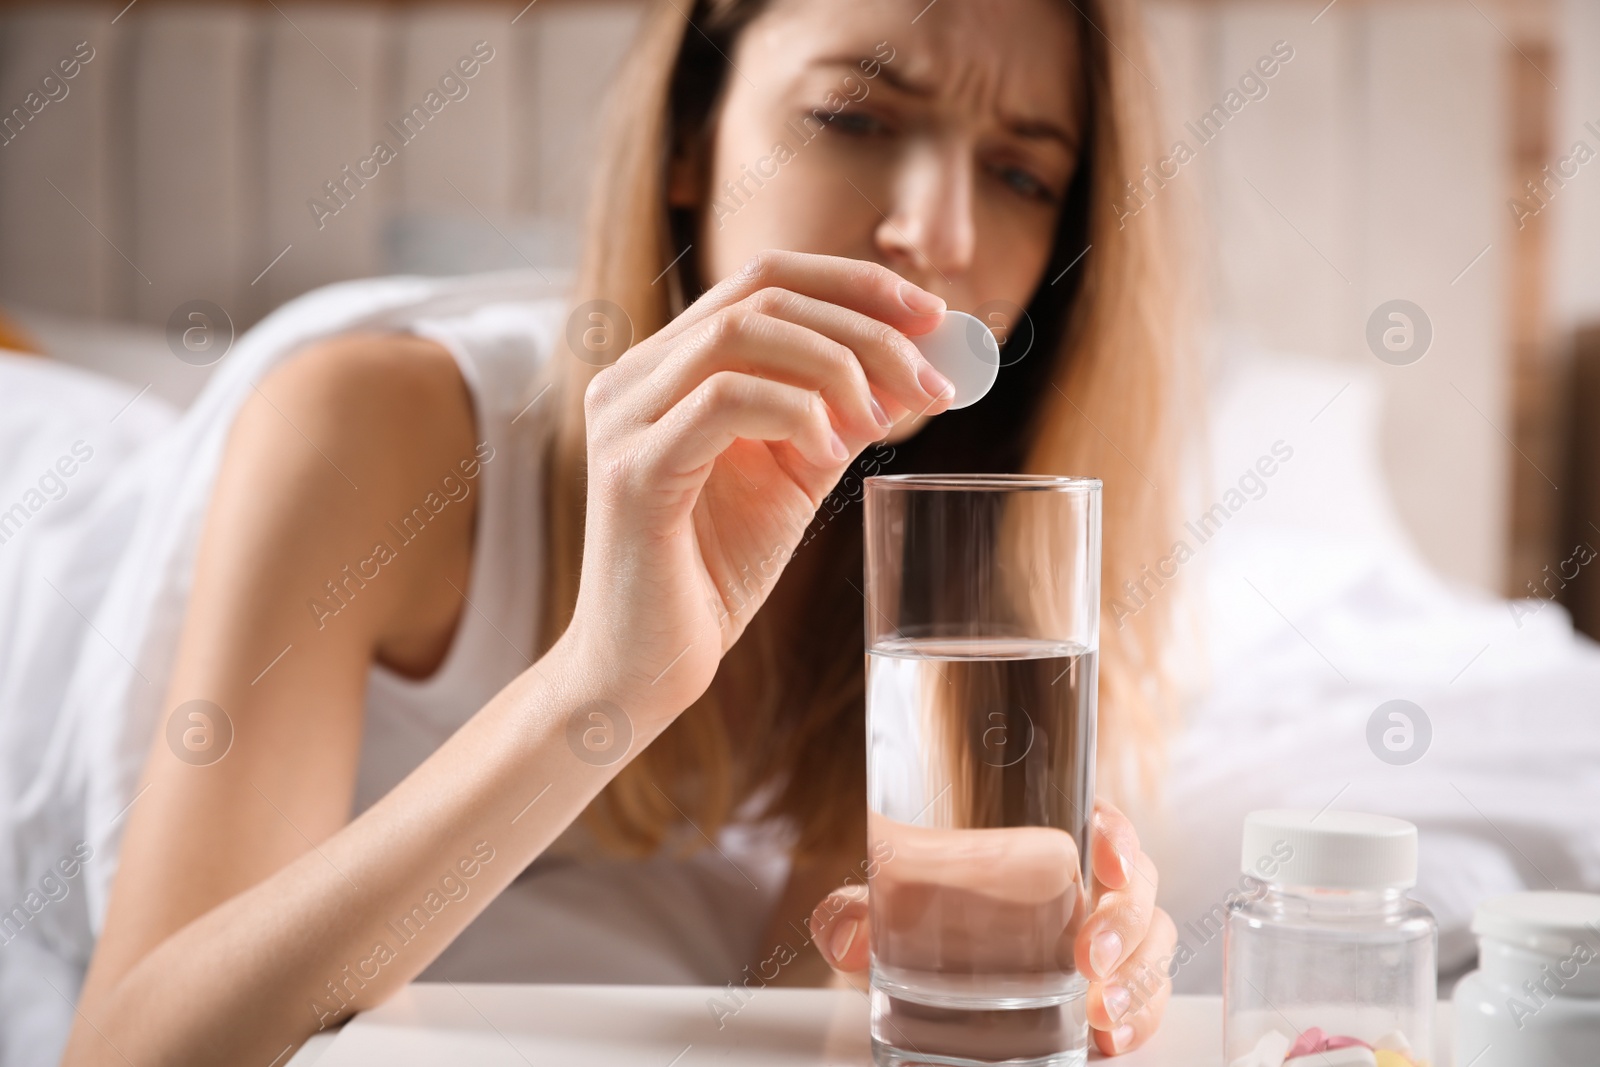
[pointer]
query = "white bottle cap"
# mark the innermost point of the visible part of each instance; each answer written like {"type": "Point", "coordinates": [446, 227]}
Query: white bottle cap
{"type": "Point", "coordinates": [964, 350]}
{"type": "Point", "coordinates": [1329, 849]}
{"type": "Point", "coordinates": [1550, 923]}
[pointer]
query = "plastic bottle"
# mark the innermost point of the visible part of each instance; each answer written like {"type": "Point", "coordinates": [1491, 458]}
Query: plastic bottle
{"type": "Point", "coordinates": [1327, 962]}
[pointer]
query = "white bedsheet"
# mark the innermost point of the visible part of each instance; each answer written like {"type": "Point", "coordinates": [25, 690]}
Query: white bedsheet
{"type": "Point", "coordinates": [1317, 610]}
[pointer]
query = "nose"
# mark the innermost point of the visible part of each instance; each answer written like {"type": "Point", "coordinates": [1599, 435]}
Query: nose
{"type": "Point", "coordinates": [929, 232]}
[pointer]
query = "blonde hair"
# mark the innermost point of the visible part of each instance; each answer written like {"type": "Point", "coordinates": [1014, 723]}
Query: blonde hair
{"type": "Point", "coordinates": [1111, 399]}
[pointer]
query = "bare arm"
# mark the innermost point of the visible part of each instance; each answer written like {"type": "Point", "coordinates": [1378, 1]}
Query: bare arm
{"type": "Point", "coordinates": [241, 893]}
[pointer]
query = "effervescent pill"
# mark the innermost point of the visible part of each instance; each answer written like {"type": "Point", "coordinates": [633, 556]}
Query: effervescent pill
{"type": "Point", "coordinates": [964, 350]}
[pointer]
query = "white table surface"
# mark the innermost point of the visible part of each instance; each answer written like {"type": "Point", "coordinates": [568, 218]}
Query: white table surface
{"type": "Point", "coordinates": [671, 1026]}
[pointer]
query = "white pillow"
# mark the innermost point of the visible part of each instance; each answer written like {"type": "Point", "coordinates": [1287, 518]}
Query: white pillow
{"type": "Point", "coordinates": [1325, 415]}
{"type": "Point", "coordinates": [1298, 512]}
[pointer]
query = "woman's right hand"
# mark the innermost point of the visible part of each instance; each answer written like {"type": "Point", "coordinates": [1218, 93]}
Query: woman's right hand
{"type": "Point", "coordinates": [712, 443]}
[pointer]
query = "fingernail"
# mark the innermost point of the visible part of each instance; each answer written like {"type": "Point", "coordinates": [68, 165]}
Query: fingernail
{"type": "Point", "coordinates": [843, 938]}
{"type": "Point", "coordinates": [933, 383]}
{"type": "Point", "coordinates": [840, 449]}
{"type": "Point", "coordinates": [1116, 1000]}
{"type": "Point", "coordinates": [1121, 1038]}
{"type": "Point", "coordinates": [881, 415]}
{"type": "Point", "coordinates": [920, 300]}
{"type": "Point", "coordinates": [1104, 952]}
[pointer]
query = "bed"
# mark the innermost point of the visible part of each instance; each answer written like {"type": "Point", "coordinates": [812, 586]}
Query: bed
{"type": "Point", "coordinates": [1320, 597]}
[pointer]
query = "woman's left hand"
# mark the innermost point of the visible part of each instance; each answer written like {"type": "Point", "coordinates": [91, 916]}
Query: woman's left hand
{"type": "Point", "coordinates": [1123, 947]}
{"type": "Point", "coordinates": [1126, 943]}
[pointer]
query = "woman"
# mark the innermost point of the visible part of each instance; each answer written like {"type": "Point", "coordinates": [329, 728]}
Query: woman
{"type": "Point", "coordinates": [906, 158]}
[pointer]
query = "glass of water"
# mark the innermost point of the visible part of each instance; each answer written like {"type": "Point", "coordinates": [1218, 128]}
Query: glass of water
{"type": "Point", "coordinates": [983, 628]}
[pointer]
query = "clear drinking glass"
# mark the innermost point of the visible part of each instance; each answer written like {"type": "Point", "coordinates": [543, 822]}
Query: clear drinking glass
{"type": "Point", "coordinates": [983, 630]}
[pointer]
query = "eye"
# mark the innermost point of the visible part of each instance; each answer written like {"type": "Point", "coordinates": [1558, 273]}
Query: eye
{"type": "Point", "coordinates": [853, 123]}
{"type": "Point", "coordinates": [1024, 183]}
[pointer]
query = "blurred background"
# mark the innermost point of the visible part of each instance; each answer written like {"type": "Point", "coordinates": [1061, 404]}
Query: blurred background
{"type": "Point", "coordinates": [1397, 240]}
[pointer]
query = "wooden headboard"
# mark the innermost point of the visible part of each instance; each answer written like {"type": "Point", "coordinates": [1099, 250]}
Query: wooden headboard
{"type": "Point", "coordinates": [183, 158]}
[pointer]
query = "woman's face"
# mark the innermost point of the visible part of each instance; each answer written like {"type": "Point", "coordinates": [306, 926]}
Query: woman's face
{"type": "Point", "coordinates": [936, 138]}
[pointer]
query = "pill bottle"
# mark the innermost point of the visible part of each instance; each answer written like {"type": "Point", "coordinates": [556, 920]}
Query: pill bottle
{"type": "Point", "coordinates": [1327, 962]}
{"type": "Point", "coordinates": [1534, 1000]}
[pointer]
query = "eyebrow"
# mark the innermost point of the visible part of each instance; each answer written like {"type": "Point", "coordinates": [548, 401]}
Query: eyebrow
{"type": "Point", "coordinates": [1041, 129]}
{"type": "Point", "coordinates": [1027, 128]}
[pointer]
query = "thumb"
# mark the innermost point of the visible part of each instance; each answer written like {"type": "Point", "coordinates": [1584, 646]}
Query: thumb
{"type": "Point", "coordinates": [839, 928]}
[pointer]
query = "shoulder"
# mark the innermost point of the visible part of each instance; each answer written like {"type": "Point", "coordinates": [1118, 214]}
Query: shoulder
{"type": "Point", "coordinates": [342, 437]}
{"type": "Point", "coordinates": [370, 419]}
{"type": "Point", "coordinates": [371, 406]}
{"type": "Point", "coordinates": [369, 381]}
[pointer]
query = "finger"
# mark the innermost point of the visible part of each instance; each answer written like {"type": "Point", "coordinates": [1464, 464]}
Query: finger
{"type": "Point", "coordinates": [869, 288]}
{"type": "Point", "coordinates": [839, 929]}
{"type": "Point", "coordinates": [744, 340]}
{"type": "Point", "coordinates": [728, 406]}
{"type": "Point", "coordinates": [892, 364]}
{"type": "Point", "coordinates": [1126, 1009]}
{"type": "Point", "coordinates": [1119, 921]}
{"type": "Point", "coordinates": [1114, 844]}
